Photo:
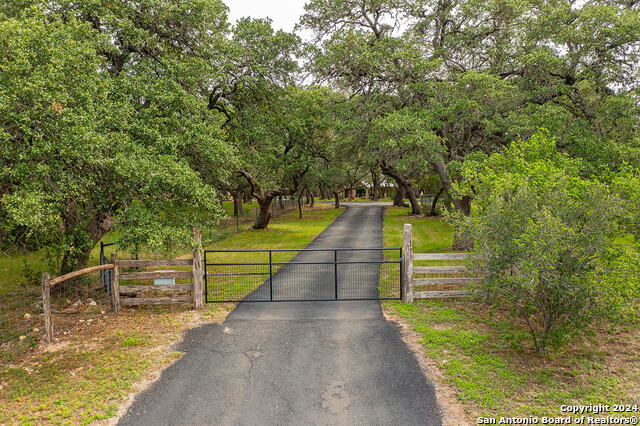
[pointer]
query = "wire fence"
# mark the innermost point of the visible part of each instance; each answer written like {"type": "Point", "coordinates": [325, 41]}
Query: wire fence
{"type": "Point", "coordinates": [74, 303]}
{"type": "Point", "coordinates": [443, 203]}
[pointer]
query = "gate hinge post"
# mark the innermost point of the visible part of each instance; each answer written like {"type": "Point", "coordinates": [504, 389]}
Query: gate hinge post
{"type": "Point", "coordinates": [270, 276]}
{"type": "Point", "coordinates": [335, 271]}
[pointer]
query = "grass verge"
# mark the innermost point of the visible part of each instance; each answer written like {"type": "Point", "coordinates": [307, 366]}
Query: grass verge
{"type": "Point", "coordinates": [487, 361]}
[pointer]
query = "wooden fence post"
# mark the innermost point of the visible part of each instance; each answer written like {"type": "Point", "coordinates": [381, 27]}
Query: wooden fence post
{"type": "Point", "coordinates": [407, 265]}
{"type": "Point", "coordinates": [198, 270]}
{"type": "Point", "coordinates": [115, 284]}
{"type": "Point", "coordinates": [46, 305]}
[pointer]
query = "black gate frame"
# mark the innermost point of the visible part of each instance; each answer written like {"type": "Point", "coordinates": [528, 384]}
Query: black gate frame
{"type": "Point", "coordinates": [106, 275]}
{"type": "Point", "coordinates": [335, 264]}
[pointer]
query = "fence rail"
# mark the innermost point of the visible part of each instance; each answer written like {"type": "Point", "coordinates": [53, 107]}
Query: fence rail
{"type": "Point", "coordinates": [137, 294]}
{"type": "Point", "coordinates": [451, 273]}
{"type": "Point", "coordinates": [63, 278]}
{"type": "Point", "coordinates": [47, 283]}
{"type": "Point", "coordinates": [172, 294]}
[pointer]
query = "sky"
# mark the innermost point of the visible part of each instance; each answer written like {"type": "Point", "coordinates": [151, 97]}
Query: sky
{"type": "Point", "coordinates": [283, 13]}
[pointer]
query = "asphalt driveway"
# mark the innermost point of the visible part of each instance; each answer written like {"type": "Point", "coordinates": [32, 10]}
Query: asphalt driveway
{"type": "Point", "coordinates": [297, 363]}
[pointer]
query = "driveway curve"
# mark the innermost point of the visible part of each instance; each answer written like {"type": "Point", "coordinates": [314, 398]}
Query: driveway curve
{"type": "Point", "coordinates": [297, 363]}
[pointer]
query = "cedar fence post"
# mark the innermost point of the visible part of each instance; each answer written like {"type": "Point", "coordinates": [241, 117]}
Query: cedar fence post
{"type": "Point", "coordinates": [115, 284]}
{"type": "Point", "coordinates": [46, 305]}
{"type": "Point", "coordinates": [407, 265]}
{"type": "Point", "coordinates": [197, 270]}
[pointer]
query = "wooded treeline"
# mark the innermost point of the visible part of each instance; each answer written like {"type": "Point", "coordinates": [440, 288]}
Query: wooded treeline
{"type": "Point", "coordinates": [139, 116]}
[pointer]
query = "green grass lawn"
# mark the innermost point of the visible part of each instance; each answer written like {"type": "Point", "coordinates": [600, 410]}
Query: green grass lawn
{"type": "Point", "coordinates": [488, 359]}
{"type": "Point", "coordinates": [19, 294]}
{"type": "Point", "coordinates": [286, 231]}
{"type": "Point", "coordinates": [14, 267]}
{"type": "Point", "coordinates": [13, 271]}
{"type": "Point", "coordinates": [489, 362]}
{"type": "Point", "coordinates": [430, 235]}
{"type": "Point", "coordinates": [436, 237]}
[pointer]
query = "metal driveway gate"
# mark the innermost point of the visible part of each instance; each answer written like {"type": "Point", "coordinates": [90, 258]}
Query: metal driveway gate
{"type": "Point", "coordinates": [312, 274]}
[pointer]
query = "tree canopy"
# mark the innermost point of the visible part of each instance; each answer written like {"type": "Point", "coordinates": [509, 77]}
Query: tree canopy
{"type": "Point", "coordinates": [140, 116]}
{"type": "Point", "coordinates": [481, 73]}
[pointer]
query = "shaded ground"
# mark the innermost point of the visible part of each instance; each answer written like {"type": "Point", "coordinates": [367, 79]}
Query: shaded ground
{"type": "Point", "coordinates": [297, 362]}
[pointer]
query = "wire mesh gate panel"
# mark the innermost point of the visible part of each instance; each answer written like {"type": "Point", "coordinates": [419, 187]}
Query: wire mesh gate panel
{"type": "Point", "coordinates": [311, 275]}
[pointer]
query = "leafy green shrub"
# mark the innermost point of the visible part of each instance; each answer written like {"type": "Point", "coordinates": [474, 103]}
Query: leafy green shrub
{"type": "Point", "coordinates": [31, 276]}
{"type": "Point", "coordinates": [545, 240]}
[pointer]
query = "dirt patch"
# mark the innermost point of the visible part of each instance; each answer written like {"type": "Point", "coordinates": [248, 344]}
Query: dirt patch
{"type": "Point", "coordinates": [55, 347]}
{"type": "Point", "coordinates": [94, 369]}
{"type": "Point", "coordinates": [453, 413]}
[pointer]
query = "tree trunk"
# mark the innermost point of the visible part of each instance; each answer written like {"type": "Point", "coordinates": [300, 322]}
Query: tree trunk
{"type": "Point", "coordinates": [300, 206]}
{"type": "Point", "coordinates": [313, 200]}
{"type": "Point", "coordinates": [95, 229]}
{"type": "Point", "coordinates": [237, 203]}
{"type": "Point", "coordinates": [415, 205]}
{"type": "Point", "coordinates": [405, 184]}
{"type": "Point", "coordinates": [265, 198]}
{"type": "Point", "coordinates": [264, 214]}
{"type": "Point", "coordinates": [461, 241]}
{"type": "Point", "coordinates": [375, 189]}
{"type": "Point", "coordinates": [435, 202]}
{"type": "Point", "coordinates": [397, 199]}
{"type": "Point", "coordinates": [281, 203]}
{"type": "Point", "coordinates": [336, 197]}
{"type": "Point", "coordinates": [74, 260]}
{"type": "Point", "coordinates": [463, 205]}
